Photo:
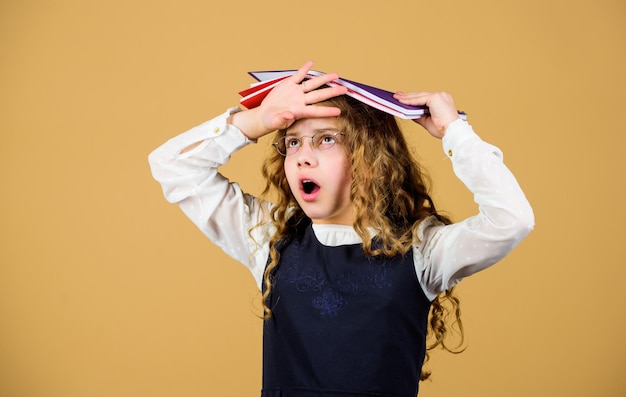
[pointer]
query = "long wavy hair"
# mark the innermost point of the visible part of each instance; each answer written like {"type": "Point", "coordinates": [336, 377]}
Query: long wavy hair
{"type": "Point", "coordinates": [380, 159]}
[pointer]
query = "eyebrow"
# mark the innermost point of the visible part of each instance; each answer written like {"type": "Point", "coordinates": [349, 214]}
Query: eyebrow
{"type": "Point", "coordinates": [315, 131]}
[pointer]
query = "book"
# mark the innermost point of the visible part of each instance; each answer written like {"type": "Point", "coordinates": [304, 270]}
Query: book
{"type": "Point", "coordinates": [376, 97]}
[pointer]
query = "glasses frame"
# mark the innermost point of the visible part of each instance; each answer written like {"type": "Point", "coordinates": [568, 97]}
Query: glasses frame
{"type": "Point", "coordinates": [334, 134]}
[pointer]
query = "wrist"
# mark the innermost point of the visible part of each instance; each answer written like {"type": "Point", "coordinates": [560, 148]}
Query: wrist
{"type": "Point", "coordinates": [447, 124]}
{"type": "Point", "coordinates": [247, 121]}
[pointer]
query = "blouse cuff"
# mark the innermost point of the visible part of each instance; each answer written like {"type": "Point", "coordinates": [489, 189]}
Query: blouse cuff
{"type": "Point", "coordinates": [225, 135]}
{"type": "Point", "coordinates": [456, 134]}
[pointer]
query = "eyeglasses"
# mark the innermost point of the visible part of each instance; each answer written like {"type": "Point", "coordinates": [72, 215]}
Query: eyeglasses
{"type": "Point", "coordinates": [323, 140]}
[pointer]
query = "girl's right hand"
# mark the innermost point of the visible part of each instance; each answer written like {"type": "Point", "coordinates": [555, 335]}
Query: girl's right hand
{"type": "Point", "coordinates": [293, 99]}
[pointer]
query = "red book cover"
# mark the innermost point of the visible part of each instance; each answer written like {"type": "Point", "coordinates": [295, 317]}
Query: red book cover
{"type": "Point", "coordinates": [253, 96]}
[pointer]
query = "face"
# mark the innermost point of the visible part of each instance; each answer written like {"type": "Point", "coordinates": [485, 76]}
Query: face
{"type": "Point", "coordinates": [320, 179]}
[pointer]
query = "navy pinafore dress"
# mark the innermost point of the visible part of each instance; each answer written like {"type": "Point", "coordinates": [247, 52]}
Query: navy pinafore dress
{"type": "Point", "coordinates": [343, 324]}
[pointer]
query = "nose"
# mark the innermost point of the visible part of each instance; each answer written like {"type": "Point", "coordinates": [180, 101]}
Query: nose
{"type": "Point", "coordinates": [307, 155]}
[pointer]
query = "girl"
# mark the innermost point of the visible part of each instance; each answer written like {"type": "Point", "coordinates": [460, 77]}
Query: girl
{"type": "Point", "coordinates": [351, 256]}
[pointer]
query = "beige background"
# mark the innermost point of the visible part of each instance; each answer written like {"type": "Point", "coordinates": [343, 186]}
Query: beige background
{"type": "Point", "coordinates": [107, 290]}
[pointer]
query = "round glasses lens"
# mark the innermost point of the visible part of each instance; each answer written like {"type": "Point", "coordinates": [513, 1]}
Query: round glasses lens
{"type": "Point", "coordinates": [288, 145]}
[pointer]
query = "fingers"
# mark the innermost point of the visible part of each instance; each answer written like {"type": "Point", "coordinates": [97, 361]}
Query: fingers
{"type": "Point", "coordinates": [314, 94]}
{"type": "Point", "coordinates": [442, 110]}
{"type": "Point", "coordinates": [302, 72]}
{"type": "Point", "coordinates": [439, 103]}
{"type": "Point", "coordinates": [297, 98]}
{"type": "Point", "coordinates": [318, 81]}
{"type": "Point", "coordinates": [314, 111]}
{"type": "Point", "coordinates": [319, 95]}
{"type": "Point", "coordinates": [439, 100]}
{"type": "Point", "coordinates": [312, 83]}
{"type": "Point", "coordinates": [414, 98]}
{"type": "Point", "coordinates": [285, 119]}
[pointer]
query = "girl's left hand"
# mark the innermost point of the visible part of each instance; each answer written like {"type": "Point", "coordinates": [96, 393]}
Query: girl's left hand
{"type": "Point", "coordinates": [441, 108]}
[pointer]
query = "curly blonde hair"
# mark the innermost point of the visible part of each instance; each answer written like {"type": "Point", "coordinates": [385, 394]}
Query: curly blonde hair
{"type": "Point", "coordinates": [380, 158]}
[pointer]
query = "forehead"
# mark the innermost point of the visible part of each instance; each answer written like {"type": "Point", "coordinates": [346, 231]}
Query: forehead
{"type": "Point", "coordinates": [312, 125]}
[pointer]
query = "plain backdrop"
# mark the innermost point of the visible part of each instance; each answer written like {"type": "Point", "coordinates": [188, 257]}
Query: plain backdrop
{"type": "Point", "coordinates": [107, 290]}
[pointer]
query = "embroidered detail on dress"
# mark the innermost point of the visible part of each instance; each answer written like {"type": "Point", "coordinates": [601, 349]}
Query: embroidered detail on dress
{"type": "Point", "coordinates": [330, 299]}
{"type": "Point", "coordinates": [304, 281]}
{"type": "Point", "coordinates": [359, 283]}
{"type": "Point", "coordinates": [329, 302]}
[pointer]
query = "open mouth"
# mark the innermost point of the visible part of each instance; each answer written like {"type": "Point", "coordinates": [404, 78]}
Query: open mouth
{"type": "Point", "coordinates": [309, 186]}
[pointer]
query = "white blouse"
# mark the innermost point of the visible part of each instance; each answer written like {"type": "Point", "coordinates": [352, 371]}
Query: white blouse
{"type": "Point", "coordinates": [445, 253]}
